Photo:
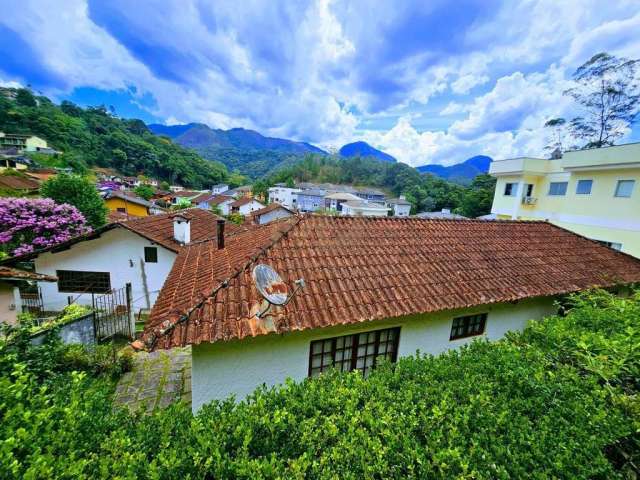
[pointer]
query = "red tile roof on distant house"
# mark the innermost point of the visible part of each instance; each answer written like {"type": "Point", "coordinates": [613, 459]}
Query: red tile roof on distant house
{"type": "Point", "coordinates": [270, 208]}
{"type": "Point", "coordinates": [185, 193]}
{"type": "Point", "coordinates": [243, 201]}
{"type": "Point", "coordinates": [201, 198]}
{"type": "Point", "coordinates": [218, 199]}
{"type": "Point", "coordinates": [159, 228]}
{"type": "Point", "coordinates": [360, 269]}
{"type": "Point", "coordinates": [17, 182]}
{"type": "Point", "coordinates": [9, 273]}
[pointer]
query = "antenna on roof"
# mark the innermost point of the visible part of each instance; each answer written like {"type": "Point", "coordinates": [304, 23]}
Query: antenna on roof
{"type": "Point", "coordinates": [272, 288]}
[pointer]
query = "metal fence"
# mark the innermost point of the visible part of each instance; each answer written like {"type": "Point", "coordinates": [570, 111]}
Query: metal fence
{"type": "Point", "coordinates": [113, 314]}
{"type": "Point", "coordinates": [31, 299]}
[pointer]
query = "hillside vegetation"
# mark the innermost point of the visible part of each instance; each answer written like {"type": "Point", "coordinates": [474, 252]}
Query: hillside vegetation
{"type": "Point", "coordinates": [557, 401]}
{"type": "Point", "coordinates": [95, 137]}
{"type": "Point", "coordinates": [425, 192]}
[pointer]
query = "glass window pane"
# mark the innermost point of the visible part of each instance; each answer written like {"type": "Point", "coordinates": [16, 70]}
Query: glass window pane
{"type": "Point", "coordinates": [584, 187]}
{"type": "Point", "coordinates": [317, 347]}
{"type": "Point", "coordinates": [624, 188]}
{"type": "Point", "coordinates": [315, 361]}
{"type": "Point", "coordinates": [557, 188]}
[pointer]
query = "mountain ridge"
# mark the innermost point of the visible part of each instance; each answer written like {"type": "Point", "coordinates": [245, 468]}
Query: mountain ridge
{"type": "Point", "coordinates": [363, 149]}
{"type": "Point", "coordinates": [462, 172]}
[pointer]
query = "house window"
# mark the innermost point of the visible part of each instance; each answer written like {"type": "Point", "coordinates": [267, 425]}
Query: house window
{"type": "Point", "coordinates": [624, 188]}
{"type": "Point", "coordinates": [510, 189]}
{"type": "Point", "coordinates": [468, 326]}
{"type": "Point", "coordinates": [121, 209]}
{"type": "Point", "coordinates": [558, 188]}
{"type": "Point", "coordinates": [528, 190]}
{"type": "Point", "coordinates": [584, 187]}
{"type": "Point", "coordinates": [73, 281]}
{"type": "Point", "coordinates": [151, 254]}
{"type": "Point", "coordinates": [360, 351]}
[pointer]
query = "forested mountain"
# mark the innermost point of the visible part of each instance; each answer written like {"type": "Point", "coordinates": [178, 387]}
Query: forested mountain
{"type": "Point", "coordinates": [95, 137]}
{"type": "Point", "coordinates": [246, 151]}
{"type": "Point", "coordinates": [363, 149]}
{"type": "Point", "coordinates": [462, 173]}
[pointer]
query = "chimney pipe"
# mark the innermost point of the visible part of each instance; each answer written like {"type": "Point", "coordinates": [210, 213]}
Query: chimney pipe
{"type": "Point", "coordinates": [181, 229]}
{"type": "Point", "coordinates": [220, 234]}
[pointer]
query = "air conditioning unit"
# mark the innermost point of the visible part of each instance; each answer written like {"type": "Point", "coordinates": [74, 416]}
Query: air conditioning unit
{"type": "Point", "coordinates": [529, 200]}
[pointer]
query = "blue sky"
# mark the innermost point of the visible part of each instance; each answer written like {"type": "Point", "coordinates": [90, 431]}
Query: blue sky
{"type": "Point", "coordinates": [428, 82]}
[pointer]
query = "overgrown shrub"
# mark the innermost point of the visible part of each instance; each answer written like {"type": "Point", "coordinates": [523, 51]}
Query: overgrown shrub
{"type": "Point", "coordinates": [548, 403]}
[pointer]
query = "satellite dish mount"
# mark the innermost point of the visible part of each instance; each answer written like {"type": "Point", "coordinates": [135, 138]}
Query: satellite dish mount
{"type": "Point", "coordinates": [272, 288]}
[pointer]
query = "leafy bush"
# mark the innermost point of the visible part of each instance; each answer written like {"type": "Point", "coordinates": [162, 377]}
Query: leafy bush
{"type": "Point", "coordinates": [79, 192]}
{"type": "Point", "coordinates": [548, 403]}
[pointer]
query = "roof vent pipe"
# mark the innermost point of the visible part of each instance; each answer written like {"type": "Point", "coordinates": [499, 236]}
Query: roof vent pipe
{"type": "Point", "coordinates": [220, 227]}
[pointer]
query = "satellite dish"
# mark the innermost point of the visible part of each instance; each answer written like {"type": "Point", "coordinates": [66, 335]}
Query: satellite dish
{"type": "Point", "coordinates": [271, 287]}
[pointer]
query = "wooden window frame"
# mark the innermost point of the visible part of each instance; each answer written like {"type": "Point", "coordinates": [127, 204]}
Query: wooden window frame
{"type": "Point", "coordinates": [67, 285]}
{"type": "Point", "coordinates": [466, 327]}
{"type": "Point", "coordinates": [155, 254]}
{"type": "Point", "coordinates": [354, 346]}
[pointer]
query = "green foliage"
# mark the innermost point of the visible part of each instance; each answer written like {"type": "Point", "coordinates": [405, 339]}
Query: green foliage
{"type": "Point", "coordinates": [551, 402]}
{"type": "Point", "coordinates": [144, 191]}
{"type": "Point", "coordinates": [216, 209]}
{"type": "Point", "coordinates": [237, 218]}
{"type": "Point", "coordinates": [94, 137]}
{"type": "Point", "coordinates": [181, 204]}
{"type": "Point", "coordinates": [425, 192]}
{"type": "Point", "coordinates": [478, 197]}
{"type": "Point", "coordinates": [79, 192]}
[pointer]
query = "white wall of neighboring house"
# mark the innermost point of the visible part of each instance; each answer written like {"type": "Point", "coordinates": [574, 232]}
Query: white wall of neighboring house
{"type": "Point", "coordinates": [10, 305]}
{"type": "Point", "coordinates": [273, 215]}
{"type": "Point", "coordinates": [400, 210]}
{"type": "Point", "coordinates": [252, 206]}
{"type": "Point", "coordinates": [238, 367]}
{"type": "Point", "coordinates": [119, 252]}
{"type": "Point", "coordinates": [218, 189]}
{"type": "Point", "coordinates": [366, 211]}
{"type": "Point", "coordinates": [284, 196]}
{"type": "Point", "coordinates": [225, 207]}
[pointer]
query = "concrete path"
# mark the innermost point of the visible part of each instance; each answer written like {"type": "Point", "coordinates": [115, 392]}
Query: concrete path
{"type": "Point", "coordinates": [156, 380]}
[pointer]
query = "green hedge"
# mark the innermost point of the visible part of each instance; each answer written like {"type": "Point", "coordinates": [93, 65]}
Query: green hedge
{"type": "Point", "coordinates": [549, 403]}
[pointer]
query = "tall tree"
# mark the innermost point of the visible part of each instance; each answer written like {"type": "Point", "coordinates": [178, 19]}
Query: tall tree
{"type": "Point", "coordinates": [79, 192]}
{"type": "Point", "coordinates": [608, 90]}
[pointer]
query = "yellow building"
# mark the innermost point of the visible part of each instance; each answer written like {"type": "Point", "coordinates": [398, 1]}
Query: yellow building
{"type": "Point", "coordinates": [595, 193]}
{"type": "Point", "coordinates": [129, 205]}
{"type": "Point", "coordinates": [24, 143]}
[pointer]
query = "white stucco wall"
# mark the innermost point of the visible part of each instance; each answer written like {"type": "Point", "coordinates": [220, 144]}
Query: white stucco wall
{"type": "Point", "coordinates": [284, 196]}
{"type": "Point", "coordinates": [118, 251]}
{"type": "Point", "coordinates": [10, 305]}
{"type": "Point", "coordinates": [274, 215]}
{"type": "Point", "coordinates": [400, 210]}
{"type": "Point", "coordinates": [239, 367]}
{"type": "Point", "coordinates": [252, 206]}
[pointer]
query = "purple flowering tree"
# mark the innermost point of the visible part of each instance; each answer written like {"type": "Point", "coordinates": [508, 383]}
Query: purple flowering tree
{"type": "Point", "coordinates": [30, 224]}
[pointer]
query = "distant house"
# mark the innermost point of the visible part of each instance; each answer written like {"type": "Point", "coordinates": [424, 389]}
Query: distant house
{"type": "Point", "coordinates": [176, 188]}
{"type": "Point", "coordinates": [334, 201]}
{"type": "Point", "coordinates": [445, 213]}
{"type": "Point", "coordinates": [370, 194]}
{"type": "Point", "coordinates": [24, 143]}
{"type": "Point", "coordinates": [11, 304]}
{"type": "Point", "coordinates": [271, 212]}
{"type": "Point", "coordinates": [400, 207]}
{"type": "Point", "coordinates": [284, 195]}
{"type": "Point", "coordinates": [175, 197]}
{"type": "Point", "coordinates": [219, 188]}
{"type": "Point", "coordinates": [373, 288]}
{"type": "Point", "coordinates": [24, 185]}
{"type": "Point", "coordinates": [201, 201]}
{"type": "Point", "coordinates": [127, 203]}
{"type": "Point", "coordinates": [221, 201]}
{"type": "Point", "coordinates": [9, 160]}
{"type": "Point", "coordinates": [310, 200]}
{"type": "Point", "coordinates": [365, 209]}
{"type": "Point", "coordinates": [240, 192]}
{"type": "Point", "coordinates": [245, 205]}
{"type": "Point", "coordinates": [139, 251]}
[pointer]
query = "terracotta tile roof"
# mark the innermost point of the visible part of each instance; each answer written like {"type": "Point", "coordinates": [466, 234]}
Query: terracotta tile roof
{"type": "Point", "coordinates": [218, 199]}
{"type": "Point", "coordinates": [360, 269]}
{"type": "Point", "coordinates": [8, 273]}
{"type": "Point", "coordinates": [202, 197]}
{"type": "Point", "coordinates": [185, 193]}
{"type": "Point", "coordinates": [270, 208]}
{"type": "Point", "coordinates": [243, 201]}
{"type": "Point", "coordinates": [159, 228]}
{"type": "Point", "coordinates": [16, 182]}
{"type": "Point", "coordinates": [115, 216]}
